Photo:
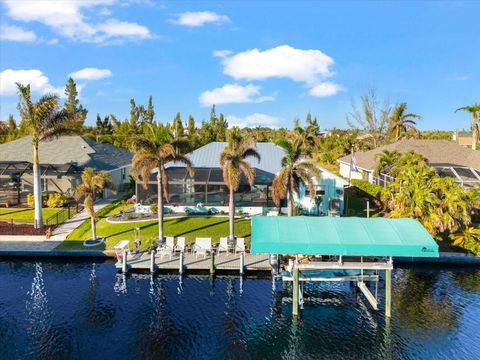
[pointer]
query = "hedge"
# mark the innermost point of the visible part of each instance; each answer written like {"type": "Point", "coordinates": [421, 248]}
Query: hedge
{"type": "Point", "coordinates": [369, 188]}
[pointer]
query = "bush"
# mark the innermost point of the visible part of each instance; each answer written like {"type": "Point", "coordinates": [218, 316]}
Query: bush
{"type": "Point", "coordinates": [154, 209]}
{"type": "Point", "coordinates": [57, 200]}
{"type": "Point", "coordinates": [129, 216]}
{"type": "Point", "coordinates": [222, 212]}
{"type": "Point", "coordinates": [373, 190]}
{"type": "Point", "coordinates": [31, 201]}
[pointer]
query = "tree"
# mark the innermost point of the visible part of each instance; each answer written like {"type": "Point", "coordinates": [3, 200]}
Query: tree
{"type": "Point", "coordinates": [92, 185]}
{"type": "Point", "coordinates": [296, 169]}
{"type": "Point", "coordinates": [372, 118]}
{"type": "Point", "coordinates": [386, 161]}
{"type": "Point", "coordinates": [468, 238]}
{"type": "Point", "coordinates": [45, 122]}
{"type": "Point", "coordinates": [153, 152]}
{"type": "Point", "coordinates": [475, 111]}
{"type": "Point", "coordinates": [234, 165]}
{"type": "Point", "coordinates": [76, 111]}
{"type": "Point", "coordinates": [400, 122]}
{"type": "Point", "coordinates": [149, 113]}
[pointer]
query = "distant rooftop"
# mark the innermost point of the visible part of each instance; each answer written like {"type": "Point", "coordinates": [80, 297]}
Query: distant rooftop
{"type": "Point", "coordinates": [67, 150]}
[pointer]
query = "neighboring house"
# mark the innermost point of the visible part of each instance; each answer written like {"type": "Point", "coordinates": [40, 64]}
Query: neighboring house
{"type": "Point", "coordinates": [463, 138]}
{"type": "Point", "coordinates": [208, 188]}
{"type": "Point", "coordinates": [449, 159]}
{"type": "Point", "coordinates": [61, 163]}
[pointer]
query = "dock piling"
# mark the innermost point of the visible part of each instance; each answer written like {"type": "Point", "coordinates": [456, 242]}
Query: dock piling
{"type": "Point", "coordinates": [152, 261]}
{"type": "Point", "coordinates": [242, 263]}
{"type": "Point", "coordinates": [295, 295]}
{"type": "Point", "coordinates": [388, 293]}
{"type": "Point", "coordinates": [125, 260]}
{"type": "Point", "coordinates": [180, 264]}
{"type": "Point", "coordinates": [212, 263]}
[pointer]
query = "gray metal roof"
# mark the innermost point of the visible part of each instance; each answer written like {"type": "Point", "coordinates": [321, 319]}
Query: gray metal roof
{"type": "Point", "coordinates": [208, 156]}
{"type": "Point", "coordinates": [67, 150]}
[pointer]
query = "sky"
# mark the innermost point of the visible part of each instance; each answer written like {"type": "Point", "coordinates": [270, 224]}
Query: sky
{"type": "Point", "coordinates": [261, 63]}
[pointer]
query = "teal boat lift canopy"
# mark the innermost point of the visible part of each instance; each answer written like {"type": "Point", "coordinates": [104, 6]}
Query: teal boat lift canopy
{"type": "Point", "coordinates": [341, 236]}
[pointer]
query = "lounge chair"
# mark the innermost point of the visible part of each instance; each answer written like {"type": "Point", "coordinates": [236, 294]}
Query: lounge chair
{"type": "Point", "coordinates": [240, 245]}
{"type": "Point", "coordinates": [167, 249]}
{"type": "Point", "coordinates": [181, 246]}
{"type": "Point", "coordinates": [223, 245]}
{"type": "Point", "coordinates": [203, 246]}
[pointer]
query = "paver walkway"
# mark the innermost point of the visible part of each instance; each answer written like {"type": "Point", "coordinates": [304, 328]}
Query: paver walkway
{"type": "Point", "coordinates": [62, 231]}
{"type": "Point", "coordinates": [28, 245]}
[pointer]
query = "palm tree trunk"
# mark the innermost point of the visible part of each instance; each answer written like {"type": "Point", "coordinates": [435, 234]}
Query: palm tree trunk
{"type": "Point", "coordinates": [290, 203]}
{"type": "Point", "coordinates": [37, 191]}
{"type": "Point", "coordinates": [231, 213]}
{"type": "Point", "coordinates": [160, 205]}
{"type": "Point", "coordinates": [94, 228]}
{"type": "Point", "coordinates": [474, 135]}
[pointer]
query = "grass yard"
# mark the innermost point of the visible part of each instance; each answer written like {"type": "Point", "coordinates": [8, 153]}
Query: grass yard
{"type": "Point", "coordinates": [357, 206]}
{"type": "Point", "coordinates": [25, 215]}
{"type": "Point", "coordinates": [190, 227]}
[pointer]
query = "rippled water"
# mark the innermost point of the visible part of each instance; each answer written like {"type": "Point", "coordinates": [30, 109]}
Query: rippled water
{"type": "Point", "coordinates": [82, 310]}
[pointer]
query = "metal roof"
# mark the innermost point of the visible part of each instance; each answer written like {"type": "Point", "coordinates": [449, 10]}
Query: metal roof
{"type": "Point", "coordinates": [208, 156]}
{"type": "Point", "coordinates": [67, 150]}
{"type": "Point", "coordinates": [341, 236]}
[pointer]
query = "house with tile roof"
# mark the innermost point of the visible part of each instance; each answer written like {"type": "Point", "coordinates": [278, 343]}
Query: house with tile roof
{"type": "Point", "coordinates": [447, 157]}
{"type": "Point", "coordinates": [61, 162]}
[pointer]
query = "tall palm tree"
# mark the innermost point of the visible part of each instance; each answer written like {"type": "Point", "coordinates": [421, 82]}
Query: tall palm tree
{"type": "Point", "coordinates": [401, 122]}
{"type": "Point", "coordinates": [234, 165]}
{"type": "Point", "coordinates": [154, 151]}
{"type": "Point", "coordinates": [296, 168]}
{"type": "Point", "coordinates": [92, 185]}
{"type": "Point", "coordinates": [45, 122]}
{"type": "Point", "coordinates": [475, 111]}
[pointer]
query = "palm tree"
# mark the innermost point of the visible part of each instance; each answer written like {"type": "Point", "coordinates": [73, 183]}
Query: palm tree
{"type": "Point", "coordinates": [400, 122]}
{"type": "Point", "coordinates": [92, 185]}
{"type": "Point", "coordinates": [386, 161]}
{"type": "Point", "coordinates": [234, 165]}
{"type": "Point", "coordinates": [475, 111]}
{"type": "Point", "coordinates": [45, 122]}
{"type": "Point", "coordinates": [154, 151]}
{"type": "Point", "coordinates": [295, 169]}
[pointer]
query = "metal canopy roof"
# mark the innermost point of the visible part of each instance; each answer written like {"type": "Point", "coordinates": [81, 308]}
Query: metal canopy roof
{"type": "Point", "coordinates": [341, 236]}
{"type": "Point", "coordinates": [21, 167]}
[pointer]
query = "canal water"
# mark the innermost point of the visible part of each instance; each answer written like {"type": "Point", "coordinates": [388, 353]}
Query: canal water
{"type": "Point", "coordinates": [84, 310]}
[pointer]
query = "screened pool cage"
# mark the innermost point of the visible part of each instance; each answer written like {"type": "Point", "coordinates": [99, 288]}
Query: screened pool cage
{"type": "Point", "coordinates": [207, 187]}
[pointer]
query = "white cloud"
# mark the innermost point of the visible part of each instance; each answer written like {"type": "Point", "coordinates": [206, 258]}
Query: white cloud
{"type": "Point", "coordinates": [222, 53]}
{"type": "Point", "coordinates": [16, 33]}
{"type": "Point", "coordinates": [325, 89]}
{"type": "Point", "coordinates": [233, 94]}
{"type": "Point", "coordinates": [91, 74]}
{"type": "Point", "coordinates": [67, 19]}
{"type": "Point", "coordinates": [39, 83]}
{"type": "Point", "coordinates": [308, 66]}
{"type": "Point", "coordinates": [254, 120]}
{"type": "Point", "coordinates": [199, 18]}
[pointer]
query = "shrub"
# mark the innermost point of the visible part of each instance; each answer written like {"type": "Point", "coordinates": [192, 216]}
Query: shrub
{"type": "Point", "coordinates": [154, 209]}
{"type": "Point", "coordinates": [57, 200]}
{"type": "Point", "coordinates": [31, 201]}
{"type": "Point", "coordinates": [371, 189]}
{"type": "Point", "coordinates": [222, 212]}
{"type": "Point", "coordinates": [129, 216]}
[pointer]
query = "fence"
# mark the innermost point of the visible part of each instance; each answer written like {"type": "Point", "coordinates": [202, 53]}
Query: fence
{"type": "Point", "coordinates": [24, 226]}
{"type": "Point", "coordinates": [382, 180]}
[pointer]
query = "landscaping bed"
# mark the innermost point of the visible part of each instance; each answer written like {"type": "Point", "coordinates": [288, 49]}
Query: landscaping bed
{"type": "Point", "coordinates": [9, 228]}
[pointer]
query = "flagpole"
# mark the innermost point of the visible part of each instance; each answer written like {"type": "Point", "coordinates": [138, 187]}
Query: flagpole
{"type": "Point", "coordinates": [350, 171]}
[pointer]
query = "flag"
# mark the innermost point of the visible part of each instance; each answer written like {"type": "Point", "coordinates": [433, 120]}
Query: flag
{"type": "Point", "coordinates": [353, 163]}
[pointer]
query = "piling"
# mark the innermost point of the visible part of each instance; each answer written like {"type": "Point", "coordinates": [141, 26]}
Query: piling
{"type": "Point", "coordinates": [124, 263]}
{"type": "Point", "coordinates": [212, 263]}
{"type": "Point", "coordinates": [180, 264]}
{"type": "Point", "coordinates": [295, 295]}
{"type": "Point", "coordinates": [152, 261]}
{"type": "Point", "coordinates": [242, 263]}
{"type": "Point", "coordinates": [368, 208]}
{"type": "Point", "coordinates": [388, 293]}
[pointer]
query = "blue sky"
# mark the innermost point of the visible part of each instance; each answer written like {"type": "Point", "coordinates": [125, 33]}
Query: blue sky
{"type": "Point", "coordinates": [260, 62]}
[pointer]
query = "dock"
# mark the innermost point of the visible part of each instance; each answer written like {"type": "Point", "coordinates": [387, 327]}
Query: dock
{"type": "Point", "coordinates": [145, 261]}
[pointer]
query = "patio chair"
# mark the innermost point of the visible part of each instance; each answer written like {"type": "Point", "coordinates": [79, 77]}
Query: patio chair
{"type": "Point", "coordinates": [181, 246]}
{"type": "Point", "coordinates": [223, 245]}
{"type": "Point", "coordinates": [167, 249]}
{"type": "Point", "coordinates": [202, 246]}
{"type": "Point", "coordinates": [240, 245]}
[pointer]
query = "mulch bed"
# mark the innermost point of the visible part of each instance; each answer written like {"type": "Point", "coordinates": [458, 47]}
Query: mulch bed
{"type": "Point", "coordinates": [7, 228]}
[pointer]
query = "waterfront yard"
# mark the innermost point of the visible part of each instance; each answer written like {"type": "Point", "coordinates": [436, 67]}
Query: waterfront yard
{"type": "Point", "coordinates": [25, 215]}
{"type": "Point", "coordinates": [190, 227]}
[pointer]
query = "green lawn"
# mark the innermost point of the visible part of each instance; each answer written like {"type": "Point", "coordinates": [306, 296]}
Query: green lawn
{"type": "Point", "coordinates": [190, 227]}
{"type": "Point", "coordinates": [24, 215]}
{"type": "Point", "coordinates": [356, 205]}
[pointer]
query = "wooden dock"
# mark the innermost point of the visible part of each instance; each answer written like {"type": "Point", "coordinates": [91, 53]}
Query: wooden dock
{"type": "Point", "coordinates": [223, 262]}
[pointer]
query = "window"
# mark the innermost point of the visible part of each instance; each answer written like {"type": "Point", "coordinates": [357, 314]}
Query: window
{"type": "Point", "coordinates": [319, 190]}
{"type": "Point", "coordinates": [44, 184]}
